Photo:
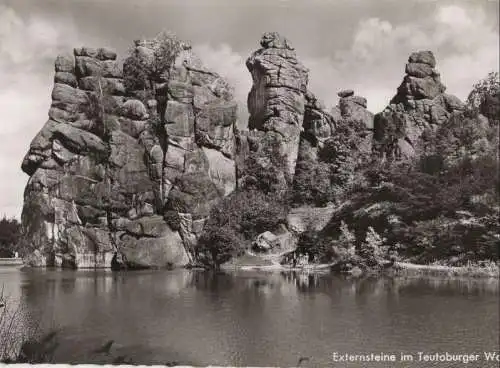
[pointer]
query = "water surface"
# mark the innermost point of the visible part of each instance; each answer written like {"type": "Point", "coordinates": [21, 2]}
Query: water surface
{"type": "Point", "coordinates": [257, 319]}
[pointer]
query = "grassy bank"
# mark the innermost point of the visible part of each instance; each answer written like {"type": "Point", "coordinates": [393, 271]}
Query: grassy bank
{"type": "Point", "coordinates": [486, 269]}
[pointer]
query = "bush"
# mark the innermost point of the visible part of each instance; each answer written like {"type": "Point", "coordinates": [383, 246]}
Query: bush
{"type": "Point", "coordinates": [249, 213]}
{"type": "Point", "coordinates": [266, 178]}
{"type": "Point", "coordinates": [464, 134]}
{"type": "Point", "coordinates": [458, 241]}
{"type": "Point", "coordinates": [438, 207]}
{"type": "Point", "coordinates": [343, 249]}
{"type": "Point", "coordinates": [420, 196]}
{"type": "Point", "coordinates": [446, 214]}
{"type": "Point", "coordinates": [240, 217]}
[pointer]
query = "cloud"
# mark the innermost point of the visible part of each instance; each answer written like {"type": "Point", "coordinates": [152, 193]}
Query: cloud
{"type": "Point", "coordinates": [473, 47]}
{"type": "Point", "coordinates": [454, 16]}
{"type": "Point", "coordinates": [26, 42]}
{"type": "Point", "coordinates": [27, 50]}
{"type": "Point", "coordinates": [465, 45]}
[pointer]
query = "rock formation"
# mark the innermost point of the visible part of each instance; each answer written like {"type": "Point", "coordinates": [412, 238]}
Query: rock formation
{"type": "Point", "coordinates": [354, 108]}
{"type": "Point", "coordinates": [419, 106]}
{"type": "Point", "coordinates": [127, 176]}
{"type": "Point", "coordinates": [333, 145]}
{"type": "Point", "coordinates": [351, 110]}
{"type": "Point", "coordinates": [132, 159]}
{"type": "Point", "coordinates": [276, 104]}
{"type": "Point", "coordinates": [287, 121]}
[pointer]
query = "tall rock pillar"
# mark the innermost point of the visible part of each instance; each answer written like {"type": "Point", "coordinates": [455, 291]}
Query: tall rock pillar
{"type": "Point", "coordinates": [276, 103]}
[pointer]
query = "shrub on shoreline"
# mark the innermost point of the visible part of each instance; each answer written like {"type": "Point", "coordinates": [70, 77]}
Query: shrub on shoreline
{"type": "Point", "coordinates": [235, 222]}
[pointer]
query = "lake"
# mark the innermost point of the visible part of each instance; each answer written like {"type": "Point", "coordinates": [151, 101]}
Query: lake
{"type": "Point", "coordinates": [256, 318]}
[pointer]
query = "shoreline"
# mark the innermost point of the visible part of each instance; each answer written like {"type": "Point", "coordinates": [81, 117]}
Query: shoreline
{"type": "Point", "coordinates": [399, 268]}
{"type": "Point", "coordinates": [472, 271]}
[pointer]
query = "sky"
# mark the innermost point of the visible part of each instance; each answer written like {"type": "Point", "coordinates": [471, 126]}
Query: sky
{"type": "Point", "coordinates": [357, 44]}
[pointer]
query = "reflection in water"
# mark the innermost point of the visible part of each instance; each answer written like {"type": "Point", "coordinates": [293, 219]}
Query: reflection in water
{"type": "Point", "coordinates": [375, 286]}
{"type": "Point", "coordinates": [256, 318]}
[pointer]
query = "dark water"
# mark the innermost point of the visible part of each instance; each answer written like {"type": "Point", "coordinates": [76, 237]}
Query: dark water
{"type": "Point", "coordinates": [259, 319]}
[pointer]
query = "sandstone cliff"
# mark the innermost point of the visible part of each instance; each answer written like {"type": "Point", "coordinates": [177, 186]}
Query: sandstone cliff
{"type": "Point", "coordinates": [276, 104]}
{"type": "Point", "coordinates": [126, 177]}
{"type": "Point", "coordinates": [418, 109]}
{"type": "Point", "coordinates": [288, 124]}
{"type": "Point", "coordinates": [133, 159]}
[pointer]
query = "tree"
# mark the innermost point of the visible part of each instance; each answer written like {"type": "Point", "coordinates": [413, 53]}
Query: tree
{"type": "Point", "coordinates": [217, 246]}
{"type": "Point", "coordinates": [249, 213]}
{"type": "Point", "coordinates": [236, 221]}
{"type": "Point", "coordinates": [344, 249]}
{"type": "Point", "coordinates": [266, 170]}
{"type": "Point", "coordinates": [372, 250]}
{"type": "Point", "coordinates": [347, 239]}
{"type": "Point", "coordinates": [463, 134]}
{"type": "Point", "coordinates": [10, 231]}
{"type": "Point", "coordinates": [347, 155]}
{"type": "Point", "coordinates": [489, 86]}
{"type": "Point", "coordinates": [312, 183]}
{"type": "Point", "coordinates": [135, 74]}
{"type": "Point", "coordinates": [166, 49]}
{"type": "Point", "coordinates": [144, 67]}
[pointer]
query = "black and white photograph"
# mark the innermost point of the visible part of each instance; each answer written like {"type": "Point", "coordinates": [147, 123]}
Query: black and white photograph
{"type": "Point", "coordinates": [250, 183]}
